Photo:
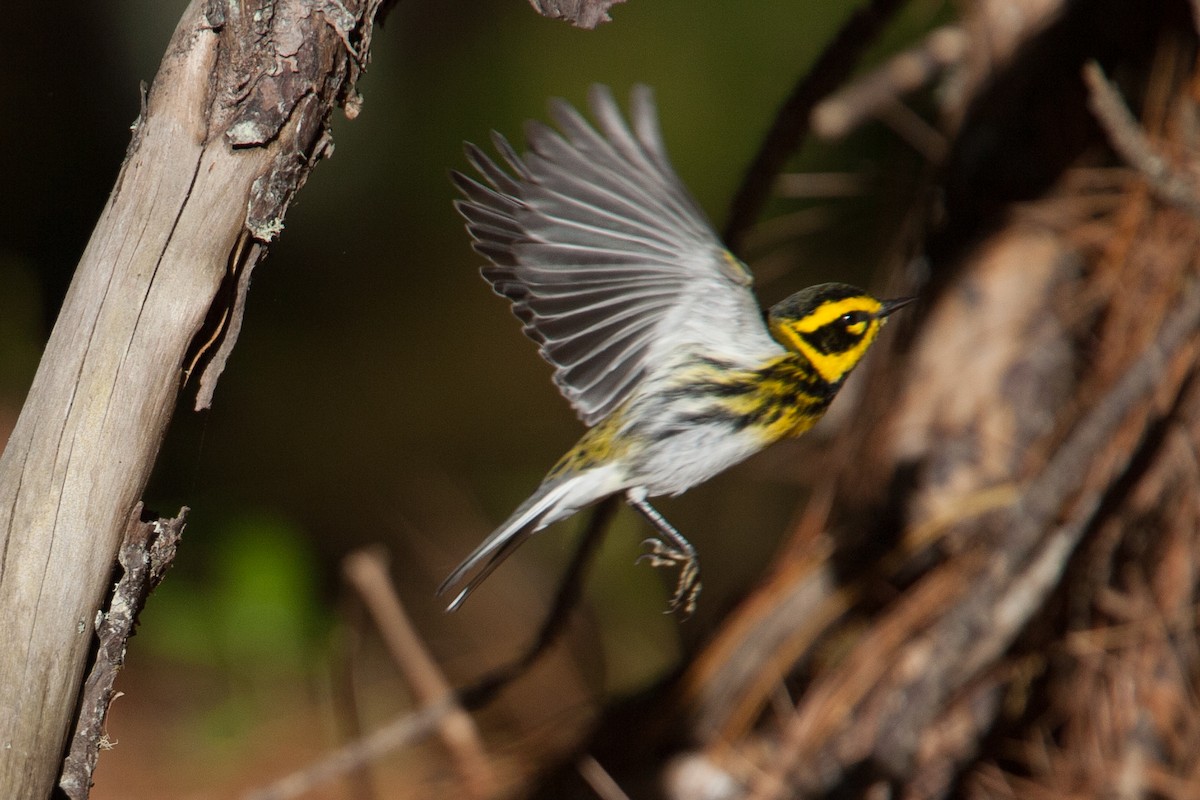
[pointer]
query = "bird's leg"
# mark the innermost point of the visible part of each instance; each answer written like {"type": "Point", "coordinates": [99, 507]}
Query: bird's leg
{"type": "Point", "coordinates": [672, 550]}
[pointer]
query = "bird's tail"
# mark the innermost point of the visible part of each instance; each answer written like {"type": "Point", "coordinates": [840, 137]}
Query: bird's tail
{"type": "Point", "coordinates": [552, 501]}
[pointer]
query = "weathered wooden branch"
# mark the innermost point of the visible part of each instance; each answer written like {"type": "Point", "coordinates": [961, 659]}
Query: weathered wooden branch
{"type": "Point", "coordinates": [232, 125]}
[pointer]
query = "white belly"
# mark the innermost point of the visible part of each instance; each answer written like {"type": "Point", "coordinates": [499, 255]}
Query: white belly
{"type": "Point", "coordinates": [692, 456]}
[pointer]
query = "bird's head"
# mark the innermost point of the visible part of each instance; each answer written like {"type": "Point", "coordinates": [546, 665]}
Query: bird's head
{"type": "Point", "coordinates": [832, 325]}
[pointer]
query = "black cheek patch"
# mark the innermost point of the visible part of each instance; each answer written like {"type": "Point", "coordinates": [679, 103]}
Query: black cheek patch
{"type": "Point", "coordinates": [831, 339]}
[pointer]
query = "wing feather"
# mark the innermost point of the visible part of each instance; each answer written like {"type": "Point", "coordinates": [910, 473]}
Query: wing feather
{"type": "Point", "coordinates": [609, 262]}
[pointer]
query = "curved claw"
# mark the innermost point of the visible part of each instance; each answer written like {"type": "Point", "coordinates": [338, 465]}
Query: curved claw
{"type": "Point", "coordinates": [687, 588]}
{"type": "Point", "coordinates": [658, 553]}
{"type": "Point", "coordinates": [669, 551]}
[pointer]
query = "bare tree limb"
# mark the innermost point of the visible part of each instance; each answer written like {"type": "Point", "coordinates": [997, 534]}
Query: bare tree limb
{"type": "Point", "coordinates": [367, 572]}
{"type": "Point", "coordinates": [1170, 183]}
{"type": "Point", "coordinates": [233, 123]}
{"type": "Point", "coordinates": [598, 779]}
{"type": "Point", "coordinates": [405, 730]}
{"type": "Point", "coordinates": [872, 94]}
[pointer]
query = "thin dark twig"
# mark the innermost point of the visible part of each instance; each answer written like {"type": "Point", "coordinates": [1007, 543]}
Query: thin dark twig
{"type": "Point", "coordinates": [792, 122]}
{"type": "Point", "coordinates": [566, 598]}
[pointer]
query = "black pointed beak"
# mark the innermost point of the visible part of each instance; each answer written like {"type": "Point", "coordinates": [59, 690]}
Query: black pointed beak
{"type": "Point", "coordinates": [890, 306]}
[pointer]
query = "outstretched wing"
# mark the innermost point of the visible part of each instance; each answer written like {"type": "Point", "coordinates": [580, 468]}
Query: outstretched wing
{"type": "Point", "coordinates": [608, 261]}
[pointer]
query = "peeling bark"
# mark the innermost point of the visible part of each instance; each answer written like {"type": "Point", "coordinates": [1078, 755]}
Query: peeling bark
{"type": "Point", "coordinates": [580, 13]}
{"type": "Point", "coordinates": [145, 556]}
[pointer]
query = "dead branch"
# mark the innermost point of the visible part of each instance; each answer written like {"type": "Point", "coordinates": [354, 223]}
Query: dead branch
{"type": "Point", "coordinates": [367, 572]}
{"type": "Point", "coordinates": [599, 780]}
{"type": "Point", "coordinates": [871, 95]}
{"type": "Point", "coordinates": [401, 732]}
{"type": "Point", "coordinates": [233, 123]}
{"type": "Point", "coordinates": [1171, 184]}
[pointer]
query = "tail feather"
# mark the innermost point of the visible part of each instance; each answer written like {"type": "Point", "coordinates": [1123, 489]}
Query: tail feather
{"type": "Point", "coordinates": [530, 517]}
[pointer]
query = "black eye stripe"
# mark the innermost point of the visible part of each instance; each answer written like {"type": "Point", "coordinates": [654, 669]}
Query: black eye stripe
{"type": "Point", "coordinates": [835, 336]}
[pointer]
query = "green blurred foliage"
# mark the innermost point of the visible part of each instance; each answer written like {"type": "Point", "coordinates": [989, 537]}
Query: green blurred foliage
{"type": "Point", "coordinates": [243, 626]}
{"type": "Point", "coordinates": [253, 605]}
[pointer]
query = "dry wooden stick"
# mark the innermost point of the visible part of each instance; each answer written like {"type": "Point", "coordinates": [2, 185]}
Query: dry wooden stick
{"type": "Point", "coordinates": [597, 777]}
{"type": "Point", "coordinates": [871, 95]}
{"type": "Point", "coordinates": [400, 732]}
{"type": "Point", "coordinates": [367, 571]}
{"type": "Point", "coordinates": [1168, 182]}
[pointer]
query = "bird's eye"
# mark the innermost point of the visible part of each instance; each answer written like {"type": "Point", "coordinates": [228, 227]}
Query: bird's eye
{"type": "Point", "coordinates": [854, 323]}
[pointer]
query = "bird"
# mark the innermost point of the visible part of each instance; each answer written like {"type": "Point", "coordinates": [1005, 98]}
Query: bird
{"type": "Point", "coordinates": [650, 323]}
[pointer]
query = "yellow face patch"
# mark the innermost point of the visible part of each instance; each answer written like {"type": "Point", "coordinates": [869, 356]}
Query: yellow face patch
{"type": "Point", "coordinates": [835, 366]}
{"type": "Point", "coordinates": [835, 336]}
{"type": "Point", "coordinates": [828, 312]}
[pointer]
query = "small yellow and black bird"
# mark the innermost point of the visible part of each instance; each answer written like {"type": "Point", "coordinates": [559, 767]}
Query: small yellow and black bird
{"type": "Point", "coordinates": [655, 335]}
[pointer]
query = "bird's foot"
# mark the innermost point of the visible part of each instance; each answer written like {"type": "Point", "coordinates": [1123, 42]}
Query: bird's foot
{"type": "Point", "coordinates": [660, 553]}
